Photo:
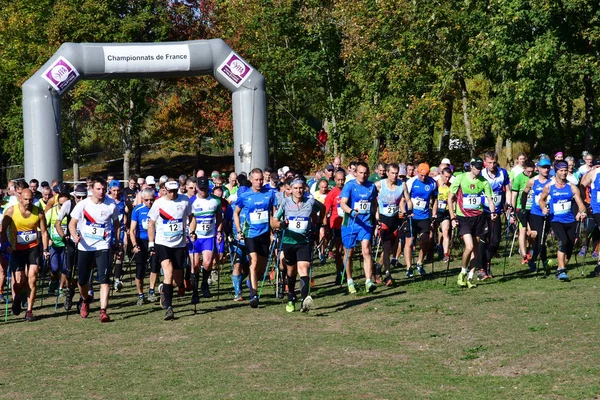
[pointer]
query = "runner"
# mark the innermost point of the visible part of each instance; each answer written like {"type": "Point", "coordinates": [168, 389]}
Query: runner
{"type": "Point", "coordinates": [502, 198]}
{"type": "Point", "coordinates": [168, 221]}
{"type": "Point", "coordinates": [259, 204]}
{"type": "Point", "coordinates": [443, 215]}
{"type": "Point", "coordinates": [24, 220]}
{"type": "Point", "coordinates": [91, 228]}
{"type": "Point", "coordinates": [209, 233]}
{"type": "Point", "coordinates": [379, 173]}
{"type": "Point", "coordinates": [61, 225]}
{"type": "Point", "coordinates": [138, 232]}
{"type": "Point", "coordinates": [466, 212]}
{"type": "Point", "coordinates": [58, 247]}
{"type": "Point", "coordinates": [518, 185]}
{"type": "Point", "coordinates": [392, 193]}
{"type": "Point", "coordinates": [556, 201]}
{"type": "Point", "coordinates": [335, 215]}
{"type": "Point", "coordinates": [537, 218]}
{"type": "Point", "coordinates": [422, 191]}
{"type": "Point", "coordinates": [591, 181]}
{"type": "Point", "coordinates": [358, 202]}
{"type": "Point", "coordinates": [116, 194]}
{"type": "Point", "coordinates": [296, 216]}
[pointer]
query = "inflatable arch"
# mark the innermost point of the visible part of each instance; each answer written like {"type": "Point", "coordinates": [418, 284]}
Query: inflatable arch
{"type": "Point", "coordinates": [74, 61]}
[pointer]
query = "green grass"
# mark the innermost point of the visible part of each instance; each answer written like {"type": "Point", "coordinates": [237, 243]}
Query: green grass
{"type": "Point", "coordinates": [512, 337]}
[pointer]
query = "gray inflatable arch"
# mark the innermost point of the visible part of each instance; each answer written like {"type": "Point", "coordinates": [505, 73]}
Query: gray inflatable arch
{"type": "Point", "coordinates": [74, 61]}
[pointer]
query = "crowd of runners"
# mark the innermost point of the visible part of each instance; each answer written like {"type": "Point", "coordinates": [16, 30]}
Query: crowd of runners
{"type": "Point", "coordinates": [276, 225]}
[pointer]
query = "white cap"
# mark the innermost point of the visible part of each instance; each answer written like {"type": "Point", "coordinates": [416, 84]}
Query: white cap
{"type": "Point", "coordinates": [172, 185]}
{"type": "Point", "coordinates": [150, 180]}
{"type": "Point", "coordinates": [163, 179]}
{"type": "Point", "coordinates": [285, 169]}
{"type": "Point", "coordinates": [446, 161]}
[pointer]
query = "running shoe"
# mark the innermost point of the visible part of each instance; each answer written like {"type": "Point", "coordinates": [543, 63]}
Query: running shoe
{"type": "Point", "coordinates": [103, 316]}
{"type": "Point", "coordinates": [409, 272]}
{"type": "Point", "coordinates": [162, 297]}
{"type": "Point", "coordinates": [2, 299]}
{"type": "Point", "coordinates": [151, 297]}
{"type": "Point", "coordinates": [470, 284]}
{"type": "Point", "coordinates": [84, 309]}
{"type": "Point", "coordinates": [388, 280]}
{"type": "Point", "coordinates": [254, 302]}
{"type": "Point", "coordinates": [140, 300]}
{"type": "Point", "coordinates": [532, 267]}
{"type": "Point", "coordinates": [351, 288]}
{"type": "Point", "coordinates": [524, 260]}
{"type": "Point", "coordinates": [378, 280]}
{"type": "Point", "coordinates": [237, 297]}
{"type": "Point", "coordinates": [169, 315]}
{"type": "Point", "coordinates": [446, 258]}
{"type": "Point", "coordinates": [290, 307]}
{"type": "Point", "coordinates": [331, 255]}
{"type": "Point", "coordinates": [421, 269]}
{"type": "Point", "coordinates": [561, 275]}
{"type": "Point", "coordinates": [394, 262]}
{"type": "Point", "coordinates": [595, 255]}
{"type": "Point", "coordinates": [462, 279]}
{"type": "Point", "coordinates": [214, 276]}
{"type": "Point", "coordinates": [16, 305]}
{"type": "Point", "coordinates": [118, 285]}
{"type": "Point", "coordinates": [597, 270]}
{"type": "Point", "coordinates": [52, 288]}
{"type": "Point", "coordinates": [307, 304]}
{"type": "Point", "coordinates": [583, 251]}
{"type": "Point", "coordinates": [481, 274]}
{"type": "Point", "coordinates": [272, 275]}
{"type": "Point", "coordinates": [62, 292]}
{"type": "Point", "coordinates": [29, 316]}
{"type": "Point", "coordinates": [370, 287]}
{"type": "Point", "coordinates": [323, 259]}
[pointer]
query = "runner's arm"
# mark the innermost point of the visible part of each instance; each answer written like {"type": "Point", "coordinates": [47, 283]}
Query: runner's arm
{"type": "Point", "coordinates": [543, 198]}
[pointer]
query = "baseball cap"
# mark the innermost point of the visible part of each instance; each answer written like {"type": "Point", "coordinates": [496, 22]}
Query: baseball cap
{"type": "Point", "coordinates": [467, 166]}
{"type": "Point", "coordinates": [446, 161]}
{"type": "Point", "coordinates": [330, 167]}
{"type": "Point", "coordinates": [560, 153]}
{"type": "Point", "coordinates": [285, 169]}
{"type": "Point", "coordinates": [80, 190]}
{"type": "Point", "coordinates": [172, 185]}
{"type": "Point", "coordinates": [560, 164]}
{"type": "Point", "coordinates": [477, 162]}
{"type": "Point", "coordinates": [423, 169]}
{"type": "Point", "coordinates": [402, 170]}
{"type": "Point", "coordinates": [150, 180]}
{"type": "Point", "coordinates": [544, 162]}
{"type": "Point", "coordinates": [202, 183]}
{"type": "Point", "coordinates": [114, 183]}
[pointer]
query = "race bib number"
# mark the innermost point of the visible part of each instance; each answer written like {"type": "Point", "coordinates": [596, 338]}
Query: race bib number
{"type": "Point", "coordinates": [298, 224]}
{"type": "Point", "coordinates": [363, 206]}
{"type": "Point", "coordinates": [561, 207]}
{"type": "Point", "coordinates": [419, 204]}
{"type": "Point", "coordinates": [598, 196]}
{"type": "Point", "coordinates": [390, 210]}
{"type": "Point", "coordinates": [529, 200]}
{"type": "Point", "coordinates": [26, 237]}
{"type": "Point", "coordinates": [442, 205]}
{"type": "Point", "coordinates": [259, 217]}
{"type": "Point", "coordinates": [472, 202]}
{"type": "Point", "coordinates": [204, 227]}
{"type": "Point", "coordinates": [145, 224]}
{"type": "Point", "coordinates": [173, 228]}
{"type": "Point", "coordinates": [93, 231]}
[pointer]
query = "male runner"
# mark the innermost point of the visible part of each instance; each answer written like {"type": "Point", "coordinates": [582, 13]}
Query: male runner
{"type": "Point", "coordinates": [259, 205]}
{"type": "Point", "coordinates": [24, 220]}
{"type": "Point", "coordinates": [335, 216]}
{"type": "Point", "coordinates": [93, 222]}
{"type": "Point", "coordinates": [169, 217]}
{"type": "Point", "coordinates": [466, 212]}
{"type": "Point", "coordinates": [518, 186]}
{"type": "Point", "coordinates": [138, 233]}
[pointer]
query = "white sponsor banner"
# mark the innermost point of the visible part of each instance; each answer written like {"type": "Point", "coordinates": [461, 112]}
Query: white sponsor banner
{"type": "Point", "coordinates": [234, 69]}
{"type": "Point", "coordinates": [159, 58]}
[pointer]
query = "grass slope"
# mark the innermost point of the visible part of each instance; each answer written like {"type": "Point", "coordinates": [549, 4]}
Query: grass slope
{"type": "Point", "coordinates": [512, 337]}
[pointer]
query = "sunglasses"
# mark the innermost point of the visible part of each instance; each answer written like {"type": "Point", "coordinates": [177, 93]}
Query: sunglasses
{"type": "Point", "coordinates": [80, 197]}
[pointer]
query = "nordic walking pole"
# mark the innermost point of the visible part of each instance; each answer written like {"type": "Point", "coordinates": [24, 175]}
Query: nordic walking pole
{"type": "Point", "coordinates": [542, 243]}
{"type": "Point", "coordinates": [60, 276]}
{"type": "Point", "coordinates": [43, 273]}
{"type": "Point", "coordinates": [450, 254]}
{"type": "Point", "coordinates": [273, 246]}
{"type": "Point", "coordinates": [9, 281]}
{"type": "Point", "coordinates": [506, 242]}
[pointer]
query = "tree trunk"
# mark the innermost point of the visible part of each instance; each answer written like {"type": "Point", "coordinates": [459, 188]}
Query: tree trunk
{"type": "Point", "coordinates": [466, 118]}
{"type": "Point", "coordinates": [126, 162]}
{"type": "Point", "coordinates": [498, 148]}
{"type": "Point", "coordinates": [509, 151]}
{"type": "Point", "coordinates": [445, 139]}
{"type": "Point", "coordinates": [589, 113]}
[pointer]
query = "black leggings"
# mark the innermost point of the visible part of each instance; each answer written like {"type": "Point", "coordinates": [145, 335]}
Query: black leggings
{"type": "Point", "coordinates": [540, 225]}
{"type": "Point", "coordinates": [565, 234]}
{"type": "Point", "coordinates": [85, 263]}
{"type": "Point", "coordinates": [141, 260]}
{"type": "Point", "coordinates": [488, 248]}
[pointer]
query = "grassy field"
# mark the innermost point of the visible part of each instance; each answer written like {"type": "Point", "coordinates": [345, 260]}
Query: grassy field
{"type": "Point", "coordinates": [512, 337]}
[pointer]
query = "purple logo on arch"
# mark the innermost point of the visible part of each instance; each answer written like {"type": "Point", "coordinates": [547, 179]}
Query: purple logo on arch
{"type": "Point", "coordinates": [60, 74]}
{"type": "Point", "coordinates": [235, 69]}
